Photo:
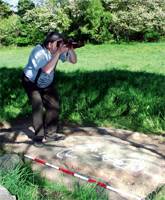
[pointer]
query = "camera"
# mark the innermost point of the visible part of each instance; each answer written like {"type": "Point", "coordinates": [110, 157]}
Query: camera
{"type": "Point", "coordinates": [70, 43]}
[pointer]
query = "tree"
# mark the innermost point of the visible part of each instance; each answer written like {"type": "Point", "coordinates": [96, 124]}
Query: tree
{"type": "Point", "coordinates": [96, 22]}
{"type": "Point", "coordinates": [24, 6]}
{"type": "Point", "coordinates": [5, 9]}
{"type": "Point", "coordinates": [90, 21]}
{"type": "Point", "coordinates": [137, 20]}
{"type": "Point", "coordinates": [41, 20]}
{"type": "Point", "coordinates": [9, 29]}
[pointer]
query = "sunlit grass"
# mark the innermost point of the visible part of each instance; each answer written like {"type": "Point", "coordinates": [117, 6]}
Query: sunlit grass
{"type": "Point", "coordinates": [148, 57]}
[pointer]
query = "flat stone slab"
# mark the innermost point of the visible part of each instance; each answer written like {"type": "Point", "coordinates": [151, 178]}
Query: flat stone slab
{"type": "Point", "coordinates": [131, 162]}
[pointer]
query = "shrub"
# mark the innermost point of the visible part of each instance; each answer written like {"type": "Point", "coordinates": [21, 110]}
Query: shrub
{"type": "Point", "coordinates": [24, 6]}
{"type": "Point", "coordinates": [5, 9]}
{"type": "Point", "coordinates": [134, 18]}
{"type": "Point", "coordinates": [9, 29]}
{"type": "Point", "coordinates": [90, 21]}
{"type": "Point", "coordinates": [44, 20]}
{"type": "Point", "coordinates": [151, 36]}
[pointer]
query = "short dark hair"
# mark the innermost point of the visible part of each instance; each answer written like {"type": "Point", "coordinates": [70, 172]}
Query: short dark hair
{"type": "Point", "coordinates": [51, 37]}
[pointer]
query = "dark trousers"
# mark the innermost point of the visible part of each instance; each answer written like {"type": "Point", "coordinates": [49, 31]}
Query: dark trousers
{"type": "Point", "coordinates": [45, 107]}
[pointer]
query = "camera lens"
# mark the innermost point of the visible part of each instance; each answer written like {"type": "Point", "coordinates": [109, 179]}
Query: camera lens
{"type": "Point", "coordinates": [59, 42]}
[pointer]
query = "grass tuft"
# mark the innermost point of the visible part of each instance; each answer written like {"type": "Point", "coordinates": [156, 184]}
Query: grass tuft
{"type": "Point", "coordinates": [26, 184]}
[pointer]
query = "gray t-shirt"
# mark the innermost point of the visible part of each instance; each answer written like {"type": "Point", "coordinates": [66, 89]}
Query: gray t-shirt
{"type": "Point", "coordinates": [38, 58]}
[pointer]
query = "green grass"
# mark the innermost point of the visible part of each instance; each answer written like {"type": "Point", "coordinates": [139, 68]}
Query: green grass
{"type": "Point", "coordinates": [136, 57]}
{"type": "Point", "coordinates": [14, 57]}
{"type": "Point", "coordinates": [158, 194]}
{"type": "Point", "coordinates": [26, 184]}
{"type": "Point", "coordinates": [148, 57]}
{"type": "Point", "coordinates": [111, 85]}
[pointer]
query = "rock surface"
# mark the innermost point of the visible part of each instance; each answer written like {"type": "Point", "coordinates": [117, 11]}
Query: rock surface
{"type": "Point", "coordinates": [9, 161]}
{"type": "Point", "coordinates": [5, 195]}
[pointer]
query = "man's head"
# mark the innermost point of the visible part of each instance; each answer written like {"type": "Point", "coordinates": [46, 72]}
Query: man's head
{"type": "Point", "coordinates": [52, 40]}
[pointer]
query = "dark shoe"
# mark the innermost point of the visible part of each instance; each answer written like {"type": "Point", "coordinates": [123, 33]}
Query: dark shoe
{"type": "Point", "coordinates": [59, 128]}
{"type": "Point", "coordinates": [38, 141]}
{"type": "Point", "coordinates": [54, 137]}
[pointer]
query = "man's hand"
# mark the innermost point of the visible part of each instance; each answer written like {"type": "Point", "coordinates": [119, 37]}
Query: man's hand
{"type": "Point", "coordinates": [62, 48]}
{"type": "Point", "coordinates": [72, 57]}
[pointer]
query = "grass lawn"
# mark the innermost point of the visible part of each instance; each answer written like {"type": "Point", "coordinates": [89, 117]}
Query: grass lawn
{"type": "Point", "coordinates": [111, 85]}
{"type": "Point", "coordinates": [146, 57]}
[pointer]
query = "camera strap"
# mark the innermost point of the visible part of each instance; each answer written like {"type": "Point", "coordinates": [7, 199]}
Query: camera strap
{"type": "Point", "coordinates": [38, 75]}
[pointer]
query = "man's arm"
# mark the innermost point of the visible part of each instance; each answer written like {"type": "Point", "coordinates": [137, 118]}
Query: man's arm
{"type": "Point", "coordinates": [72, 57]}
{"type": "Point", "coordinates": [52, 63]}
{"type": "Point", "coordinates": [49, 67]}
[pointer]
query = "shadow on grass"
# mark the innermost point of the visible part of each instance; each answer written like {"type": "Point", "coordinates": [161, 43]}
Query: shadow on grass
{"type": "Point", "coordinates": [119, 98]}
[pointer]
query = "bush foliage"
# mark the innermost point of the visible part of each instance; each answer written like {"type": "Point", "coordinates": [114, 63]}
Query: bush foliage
{"type": "Point", "coordinates": [8, 30]}
{"type": "Point", "coordinates": [137, 20]}
{"type": "Point", "coordinates": [91, 20]}
{"type": "Point", "coordinates": [5, 9]}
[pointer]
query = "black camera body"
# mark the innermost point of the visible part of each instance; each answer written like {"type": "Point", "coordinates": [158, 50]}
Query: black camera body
{"type": "Point", "coordinates": [70, 43]}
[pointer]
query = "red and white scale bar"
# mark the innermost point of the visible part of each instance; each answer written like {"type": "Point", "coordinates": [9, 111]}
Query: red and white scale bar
{"type": "Point", "coordinates": [88, 179]}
